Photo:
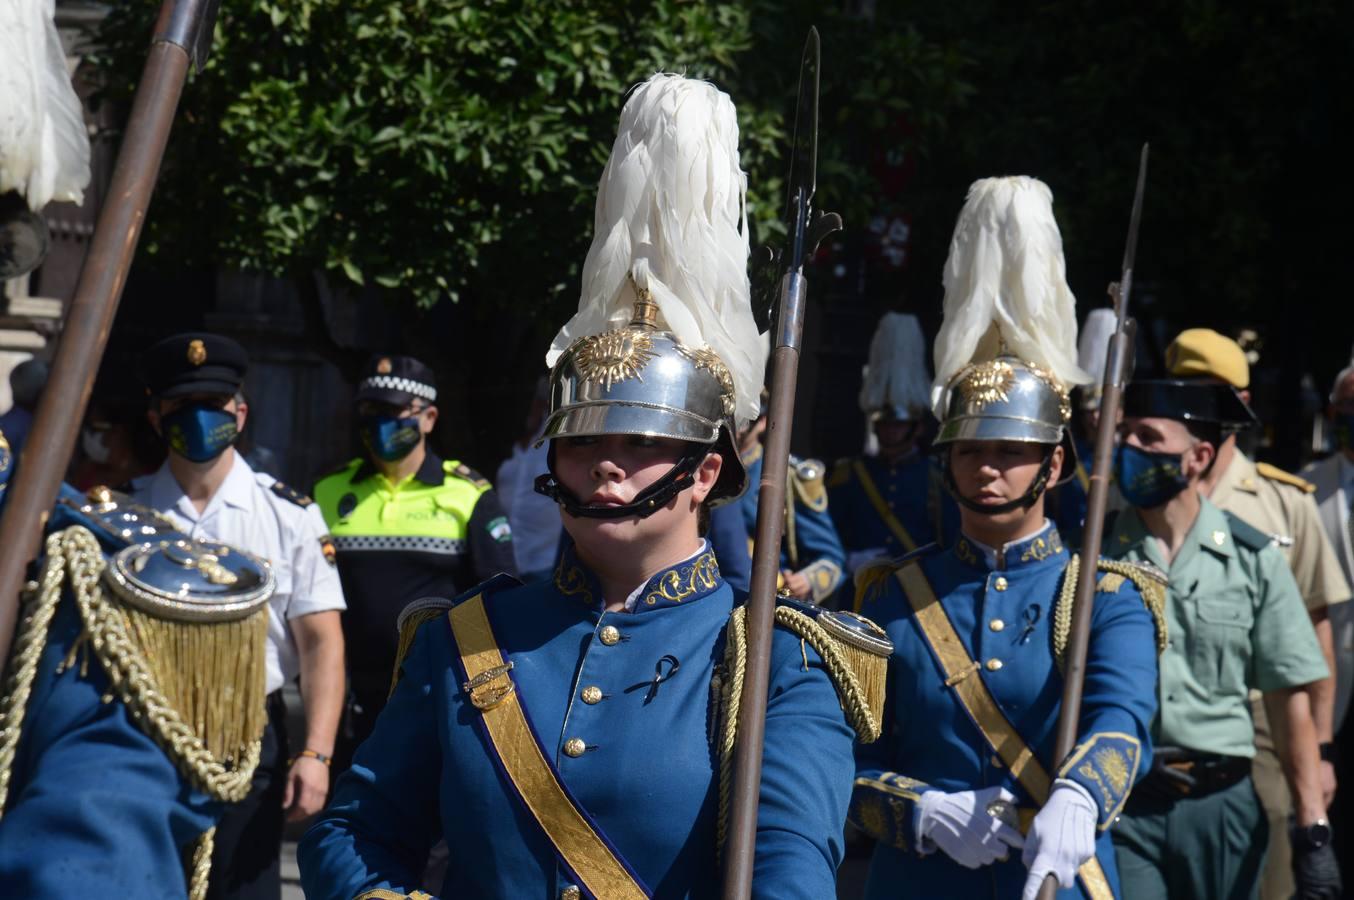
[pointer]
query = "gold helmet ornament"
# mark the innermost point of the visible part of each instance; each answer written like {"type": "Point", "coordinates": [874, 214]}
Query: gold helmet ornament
{"type": "Point", "coordinates": [1006, 355]}
{"type": "Point", "coordinates": [663, 343]}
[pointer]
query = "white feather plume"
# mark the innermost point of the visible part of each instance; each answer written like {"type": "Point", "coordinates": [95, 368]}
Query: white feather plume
{"type": "Point", "coordinates": [1094, 344]}
{"type": "Point", "coordinates": [896, 374]}
{"type": "Point", "coordinates": [44, 147]}
{"type": "Point", "coordinates": [671, 218]}
{"type": "Point", "coordinates": [1006, 283]}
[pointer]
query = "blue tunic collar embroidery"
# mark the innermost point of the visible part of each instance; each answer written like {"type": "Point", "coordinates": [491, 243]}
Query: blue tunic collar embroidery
{"type": "Point", "coordinates": [689, 580]}
{"type": "Point", "coordinates": [1028, 551]}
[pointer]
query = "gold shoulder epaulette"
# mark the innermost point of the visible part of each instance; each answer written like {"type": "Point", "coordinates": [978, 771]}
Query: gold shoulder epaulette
{"type": "Point", "coordinates": [1274, 473]}
{"type": "Point", "coordinates": [1113, 574]}
{"type": "Point", "coordinates": [461, 470]}
{"type": "Point", "coordinates": [806, 479]}
{"type": "Point", "coordinates": [411, 618]}
{"type": "Point", "coordinates": [841, 473]}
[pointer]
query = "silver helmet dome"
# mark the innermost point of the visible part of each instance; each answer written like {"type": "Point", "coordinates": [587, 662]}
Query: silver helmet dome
{"type": "Point", "coordinates": [1005, 399]}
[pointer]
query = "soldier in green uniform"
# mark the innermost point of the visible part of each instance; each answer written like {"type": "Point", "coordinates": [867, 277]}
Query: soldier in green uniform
{"type": "Point", "coordinates": [405, 524]}
{"type": "Point", "coordinates": [1280, 505]}
{"type": "Point", "coordinates": [1194, 826]}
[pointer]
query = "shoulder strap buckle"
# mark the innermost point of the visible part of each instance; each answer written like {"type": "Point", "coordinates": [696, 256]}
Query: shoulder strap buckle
{"type": "Point", "coordinates": [485, 691]}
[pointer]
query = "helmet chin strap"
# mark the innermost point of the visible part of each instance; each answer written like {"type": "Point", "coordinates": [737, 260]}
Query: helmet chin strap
{"type": "Point", "coordinates": [646, 502]}
{"type": "Point", "coordinates": [1024, 501]}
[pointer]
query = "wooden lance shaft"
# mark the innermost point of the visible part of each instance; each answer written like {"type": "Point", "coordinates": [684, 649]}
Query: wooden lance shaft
{"type": "Point", "coordinates": [90, 316]}
{"type": "Point", "coordinates": [1074, 677]}
{"type": "Point", "coordinates": [740, 852]}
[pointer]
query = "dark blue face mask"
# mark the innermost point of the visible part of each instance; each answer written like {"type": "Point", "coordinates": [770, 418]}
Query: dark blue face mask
{"type": "Point", "coordinates": [1342, 426]}
{"type": "Point", "coordinates": [390, 438]}
{"type": "Point", "coordinates": [199, 433]}
{"type": "Point", "coordinates": [1148, 480]}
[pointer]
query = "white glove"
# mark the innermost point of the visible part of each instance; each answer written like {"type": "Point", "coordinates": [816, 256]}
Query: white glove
{"type": "Point", "coordinates": [857, 558]}
{"type": "Point", "coordinates": [1061, 838]}
{"type": "Point", "coordinates": [960, 825]}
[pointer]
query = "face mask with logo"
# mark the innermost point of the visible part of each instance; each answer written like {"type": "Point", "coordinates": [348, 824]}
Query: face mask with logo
{"type": "Point", "coordinates": [200, 433]}
{"type": "Point", "coordinates": [390, 438]}
{"type": "Point", "coordinates": [1148, 480]}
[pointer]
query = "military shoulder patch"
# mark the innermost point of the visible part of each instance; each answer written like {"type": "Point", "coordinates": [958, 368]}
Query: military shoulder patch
{"type": "Point", "coordinates": [499, 529]}
{"type": "Point", "coordinates": [461, 470]}
{"type": "Point", "coordinates": [1274, 473]}
{"type": "Point", "coordinates": [290, 494]}
{"type": "Point", "coordinates": [329, 550]}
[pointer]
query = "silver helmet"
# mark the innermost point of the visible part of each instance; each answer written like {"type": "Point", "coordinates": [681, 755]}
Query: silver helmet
{"type": "Point", "coordinates": [1005, 399]}
{"type": "Point", "coordinates": [642, 380]}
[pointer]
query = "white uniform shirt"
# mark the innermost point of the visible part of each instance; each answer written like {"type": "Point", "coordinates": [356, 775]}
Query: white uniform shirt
{"type": "Point", "coordinates": [245, 513]}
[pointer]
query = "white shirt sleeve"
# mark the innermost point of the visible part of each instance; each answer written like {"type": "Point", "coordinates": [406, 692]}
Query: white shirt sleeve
{"type": "Point", "coordinates": [314, 579]}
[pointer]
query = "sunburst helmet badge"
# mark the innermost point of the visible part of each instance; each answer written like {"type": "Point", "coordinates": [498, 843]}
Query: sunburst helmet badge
{"type": "Point", "coordinates": [986, 383]}
{"type": "Point", "coordinates": [197, 352]}
{"type": "Point", "coordinates": [614, 356]}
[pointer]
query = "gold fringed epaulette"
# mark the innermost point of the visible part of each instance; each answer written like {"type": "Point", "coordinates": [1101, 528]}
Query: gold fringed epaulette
{"type": "Point", "coordinates": [411, 619]}
{"type": "Point", "coordinates": [856, 653]}
{"type": "Point", "coordinates": [806, 483]}
{"type": "Point", "coordinates": [1113, 574]}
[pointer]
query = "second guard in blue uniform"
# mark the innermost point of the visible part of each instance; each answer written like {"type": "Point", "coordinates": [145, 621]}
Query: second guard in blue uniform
{"type": "Point", "coordinates": [572, 738]}
{"type": "Point", "coordinates": [962, 792]}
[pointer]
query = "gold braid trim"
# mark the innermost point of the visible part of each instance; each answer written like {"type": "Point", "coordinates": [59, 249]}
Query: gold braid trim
{"type": "Point", "coordinates": [39, 606]}
{"type": "Point", "coordinates": [1152, 590]}
{"type": "Point", "coordinates": [848, 668]}
{"type": "Point", "coordinates": [230, 656]}
{"type": "Point", "coordinates": [201, 864]}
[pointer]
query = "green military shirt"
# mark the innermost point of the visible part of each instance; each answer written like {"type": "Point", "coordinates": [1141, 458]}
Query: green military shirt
{"type": "Point", "coordinates": [1235, 621]}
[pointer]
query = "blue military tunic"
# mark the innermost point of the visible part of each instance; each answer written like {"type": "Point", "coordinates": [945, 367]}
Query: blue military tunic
{"type": "Point", "coordinates": [621, 703]}
{"type": "Point", "coordinates": [1002, 605]}
{"type": "Point", "coordinates": [911, 489]}
{"type": "Point", "coordinates": [810, 545]}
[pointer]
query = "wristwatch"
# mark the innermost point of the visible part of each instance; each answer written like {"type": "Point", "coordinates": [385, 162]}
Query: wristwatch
{"type": "Point", "coordinates": [1311, 837]}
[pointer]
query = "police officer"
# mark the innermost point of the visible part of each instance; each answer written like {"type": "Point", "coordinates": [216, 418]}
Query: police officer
{"type": "Point", "coordinates": [1280, 505]}
{"type": "Point", "coordinates": [812, 557]}
{"type": "Point", "coordinates": [207, 489]}
{"type": "Point", "coordinates": [132, 707]}
{"type": "Point", "coordinates": [405, 523]}
{"type": "Point", "coordinates": [1195, 827]}
{"type": "Point", "coordinates": [627, 660]}
{"type": "Point", "coordinates": [963, 792]}
{"type": "Point", "coordinates": [885, 503]}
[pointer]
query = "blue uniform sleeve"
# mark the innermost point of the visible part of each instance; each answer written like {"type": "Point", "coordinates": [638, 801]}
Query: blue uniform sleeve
{"type": "Point", "coordinates": [821, 557]}
{"type": "Point", "coordinates": [806, 779]}
{"type": "Point", "coordinates": [1119, 701]}
{"type": "Point", "coordinates": [728, 536]}
{"type": "Point", "coordinates": [883, 801]}
{"type": "Point", "coordinates": [384, 815]}
{"type": "Point", "coordinates": [92, 799]}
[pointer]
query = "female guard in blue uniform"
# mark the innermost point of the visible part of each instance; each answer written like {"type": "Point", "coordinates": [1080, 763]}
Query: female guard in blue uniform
{"type": "Point", "coordinates": [963, 793]}
{"type": "Point", "coordinates": [566, 739]}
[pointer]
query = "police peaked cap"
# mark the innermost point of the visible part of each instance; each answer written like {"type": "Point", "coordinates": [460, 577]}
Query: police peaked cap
{"type": "Point", "coordinates": [397, 380]}
{"type": "Point", "coordinates": [194, 363]}
{"type": "Point", "coordinates": [1210, 402]}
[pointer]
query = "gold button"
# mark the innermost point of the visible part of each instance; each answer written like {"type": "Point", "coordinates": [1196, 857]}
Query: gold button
{"type": "Point", "coordinates": [996, 625]}
{"type": "Point", "coordinates": [993, 665]}
{"type": "Point", "coordinates": [571, 893]}
{"type": "Point", "coordinates": [610, 635]}
{"type": "Point", "coordinates": [1000, 583]}
{"type": "Point", "coordinates": [575, 747]}
{"type": "Point", "coordinates": [592, 694]}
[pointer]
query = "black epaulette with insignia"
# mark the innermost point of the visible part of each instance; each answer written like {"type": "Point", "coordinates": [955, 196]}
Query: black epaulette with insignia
{"type": "Point", "coordinates": [461, 470]}
{"type": "Point", "coordinates": [290, 494]}
{"type": "Point", "coordinates": [1247, 535]}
